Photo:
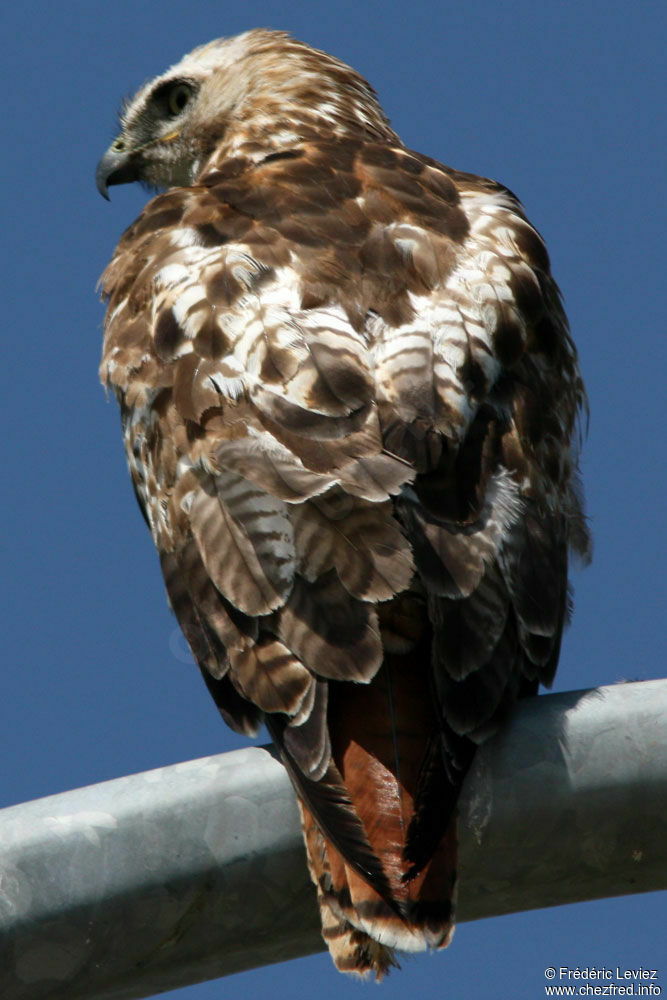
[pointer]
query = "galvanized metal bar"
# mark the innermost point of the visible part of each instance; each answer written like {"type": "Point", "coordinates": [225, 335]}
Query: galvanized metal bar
{"type": "Point", "coordinates": [149, 882]}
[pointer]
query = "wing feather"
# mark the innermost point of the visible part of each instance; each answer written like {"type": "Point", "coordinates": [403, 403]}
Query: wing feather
{"type": "Point", "coordinates": [246, 542]}
{"type": "Point", "coordinates": [361, 541]}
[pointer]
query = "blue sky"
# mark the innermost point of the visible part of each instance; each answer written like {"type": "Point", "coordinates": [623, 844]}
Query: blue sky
{"type": "Point", "coordinates": [562, 102]}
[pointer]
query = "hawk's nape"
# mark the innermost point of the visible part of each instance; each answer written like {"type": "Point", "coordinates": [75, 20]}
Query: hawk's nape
{"type": "Point", "coordinates": [350, 404]}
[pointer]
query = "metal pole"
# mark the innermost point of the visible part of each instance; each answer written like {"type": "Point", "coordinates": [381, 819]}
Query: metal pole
{"type": "Point", "coordinates": [153, 881]}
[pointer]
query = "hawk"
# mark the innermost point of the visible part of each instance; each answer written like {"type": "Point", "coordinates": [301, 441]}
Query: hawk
{"type": "Point", "coordinates": [350, 407]}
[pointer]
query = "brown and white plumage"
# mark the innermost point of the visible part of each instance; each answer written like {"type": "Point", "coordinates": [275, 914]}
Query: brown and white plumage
{"type": "Point", "coordinates": [349, 400]}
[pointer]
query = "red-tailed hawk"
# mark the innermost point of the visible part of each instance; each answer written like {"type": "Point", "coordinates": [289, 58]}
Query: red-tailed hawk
{"type": "Point", "coordinates": [349, 401]}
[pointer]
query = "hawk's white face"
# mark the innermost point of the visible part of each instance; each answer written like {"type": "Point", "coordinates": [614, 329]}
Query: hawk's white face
{"type": "Point", "coordinates": [177, 118]}
{"type": "Point", "coordinates": [262, 87]}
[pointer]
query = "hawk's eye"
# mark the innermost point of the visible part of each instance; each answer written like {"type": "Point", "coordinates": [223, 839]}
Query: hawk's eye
{"type": "Point", "coordinates": [177, 98]}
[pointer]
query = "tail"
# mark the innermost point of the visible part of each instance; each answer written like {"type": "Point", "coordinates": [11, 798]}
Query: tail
{"type": "Point", "coordinates": [360, 928]}
{"type": "Point", "coordinates": [391, 881]}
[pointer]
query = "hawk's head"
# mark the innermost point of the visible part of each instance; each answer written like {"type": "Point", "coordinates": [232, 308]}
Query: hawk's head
{"type": "Point", "coordinates": [254, 94]}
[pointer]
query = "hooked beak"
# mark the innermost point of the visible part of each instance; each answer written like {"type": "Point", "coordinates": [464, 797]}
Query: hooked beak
{"type": "Point", "coordinates": [116, 167]}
